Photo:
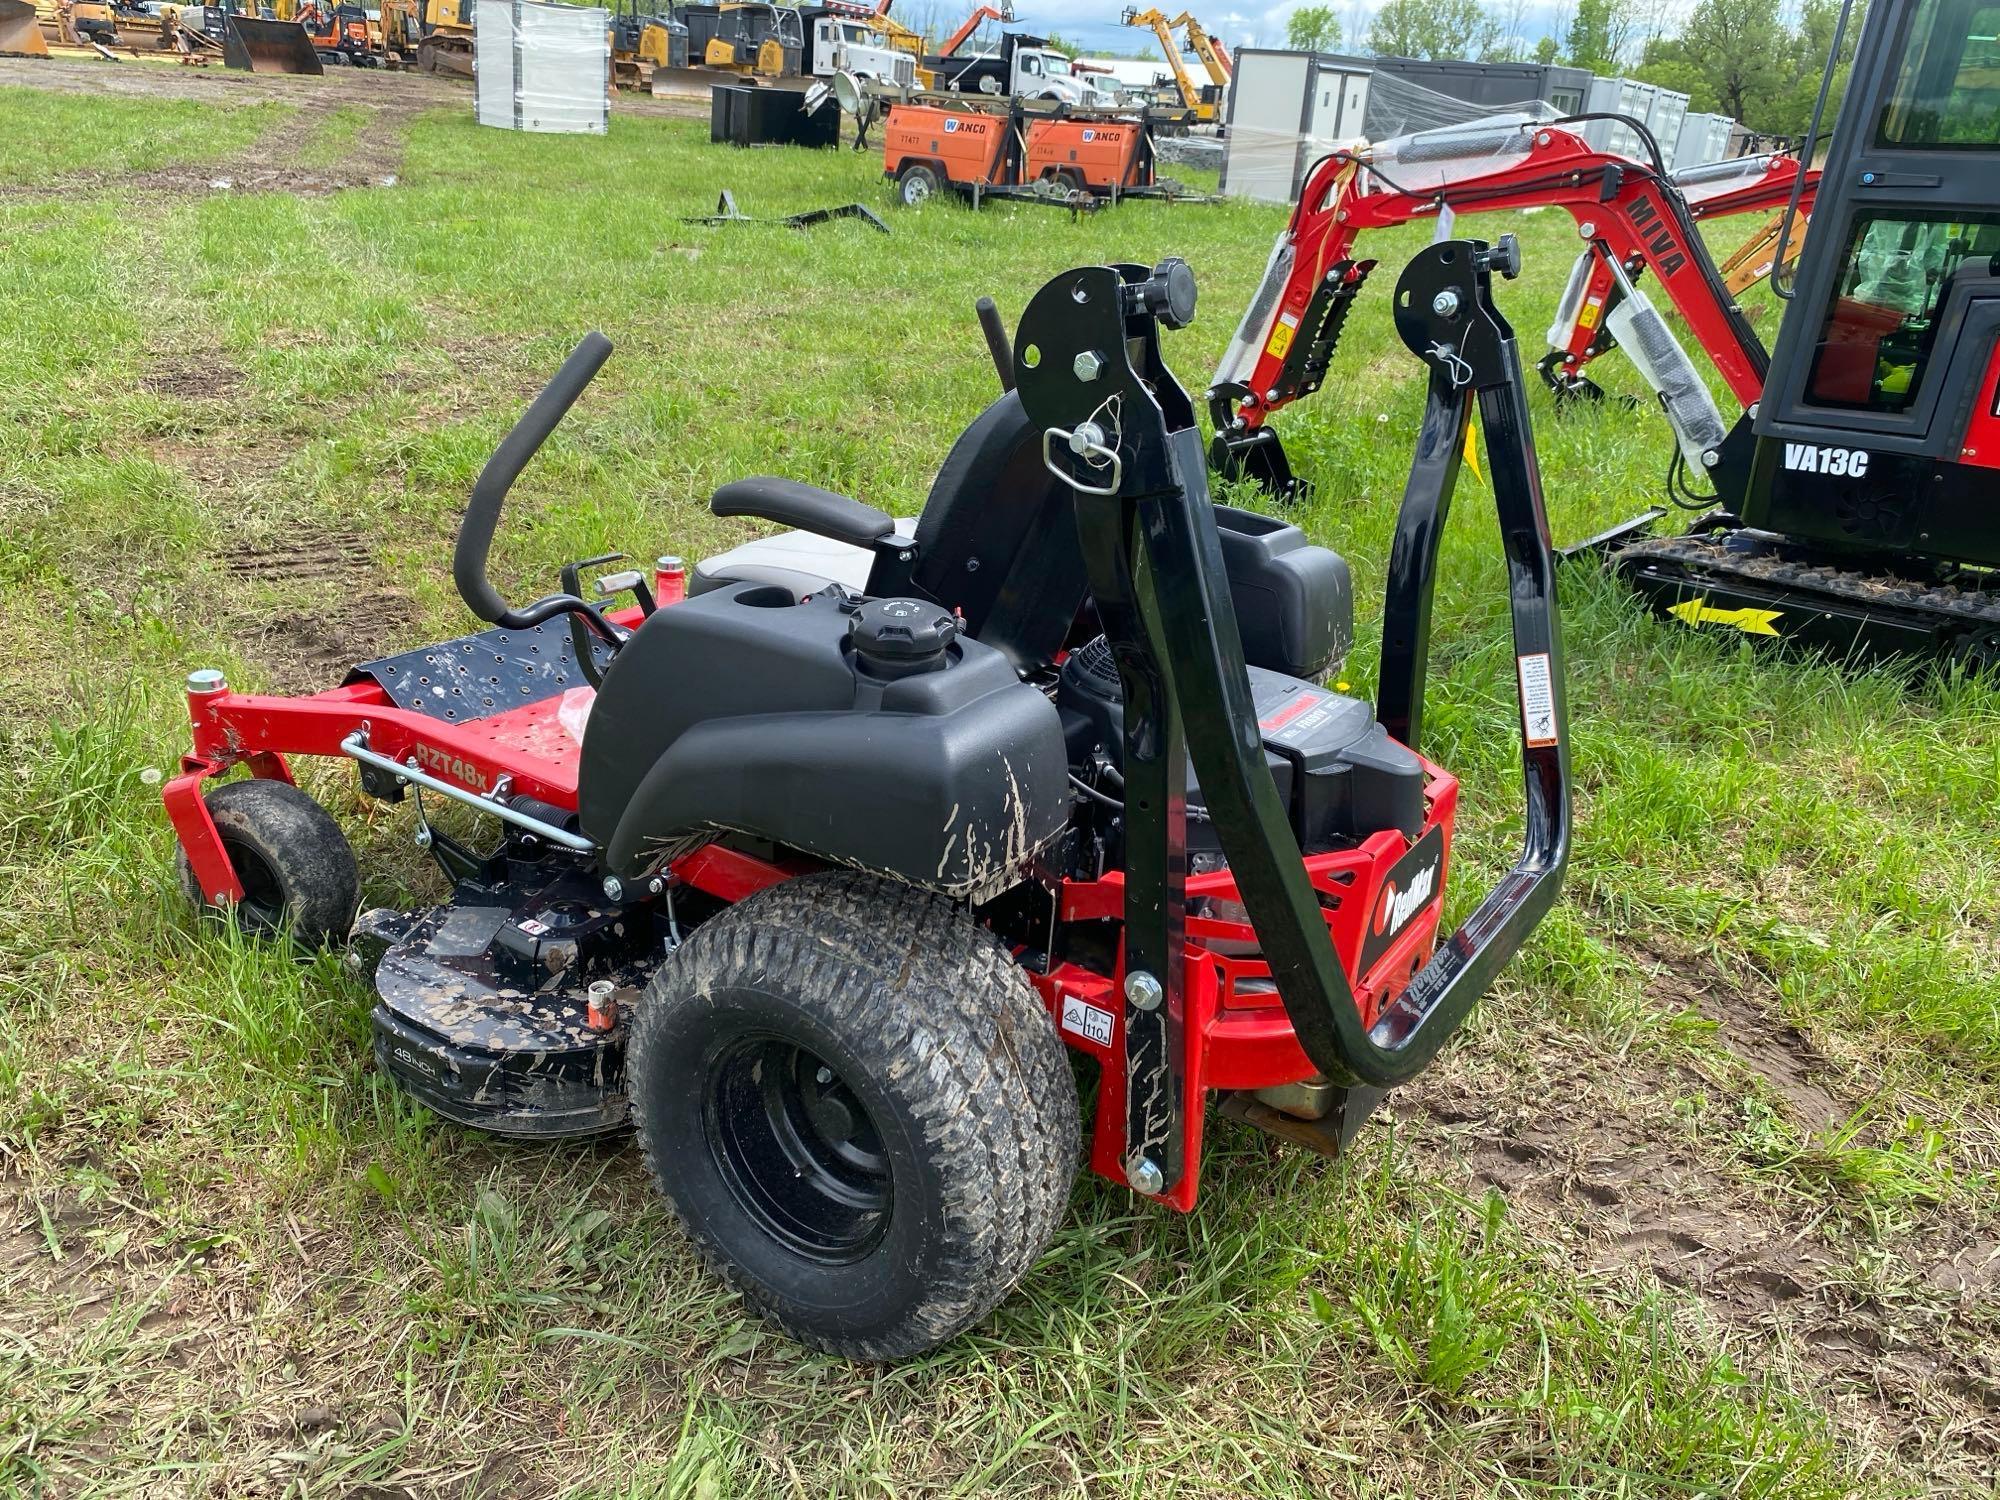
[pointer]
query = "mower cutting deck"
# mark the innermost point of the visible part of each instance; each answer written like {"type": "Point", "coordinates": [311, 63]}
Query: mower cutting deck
{"type": "Point", "coordinates": [810, 880]}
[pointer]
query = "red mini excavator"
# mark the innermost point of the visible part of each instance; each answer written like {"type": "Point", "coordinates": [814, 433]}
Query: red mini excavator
{"type": "Point", "coordinates": [1633, 219]}
{"type": "Point", "coordinates": [1851, 506]}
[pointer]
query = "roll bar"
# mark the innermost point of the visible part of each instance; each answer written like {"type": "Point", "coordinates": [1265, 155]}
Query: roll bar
{"type": "Point", "coordinates": [489, 492]}
{"type": "Point", "coordinates": [1158, 580]}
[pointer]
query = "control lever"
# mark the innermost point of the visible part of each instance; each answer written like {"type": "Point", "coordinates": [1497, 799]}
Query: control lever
{"type": "Point", "coordinates": [631, 580]}
{"type": "Point", "coordinates": [1168, 294]}
{"type": "Point", "coordinates": [996, 342]}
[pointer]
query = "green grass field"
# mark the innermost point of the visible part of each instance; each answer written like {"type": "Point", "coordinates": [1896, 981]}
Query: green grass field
{"type": "Point", "coordinates": [1702, 1202]}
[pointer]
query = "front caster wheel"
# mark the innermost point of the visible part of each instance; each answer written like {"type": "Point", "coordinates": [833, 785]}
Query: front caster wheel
{"type": "Point", "coordinates": [296, 867]}
{"type": "Point", "coordinates": [858, 1109]}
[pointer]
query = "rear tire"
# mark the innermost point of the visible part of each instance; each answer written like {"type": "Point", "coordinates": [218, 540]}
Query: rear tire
{"type": "Point", "coordinates": [296, 867]}
{"type": "Point", "coordinates": [858, 1109]}
{"type": "Point", "coordinates": [916, 185]}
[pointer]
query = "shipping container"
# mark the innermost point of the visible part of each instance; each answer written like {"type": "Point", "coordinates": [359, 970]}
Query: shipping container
{"type": "Point", "coordinates": [1287, 109]}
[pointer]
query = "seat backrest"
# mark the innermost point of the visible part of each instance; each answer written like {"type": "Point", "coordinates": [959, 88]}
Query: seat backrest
{"type": "Point", "coordinates": [997, 540]}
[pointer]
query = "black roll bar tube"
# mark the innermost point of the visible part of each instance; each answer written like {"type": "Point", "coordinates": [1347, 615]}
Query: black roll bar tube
{"type": "Point", "coordinates": [489, 492]}
{"type": "Point", "coordinates": [1155, 561]}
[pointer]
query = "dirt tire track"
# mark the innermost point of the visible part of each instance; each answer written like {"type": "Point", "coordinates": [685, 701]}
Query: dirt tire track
{"type": "Point", "coordinates": [1598, 1159]}
{"type": "Point", "coordinates": [334, 609]}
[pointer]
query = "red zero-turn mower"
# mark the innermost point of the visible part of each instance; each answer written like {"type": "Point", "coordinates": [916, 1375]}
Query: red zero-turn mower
{"type": "Point", "coordinates": [809, 875]}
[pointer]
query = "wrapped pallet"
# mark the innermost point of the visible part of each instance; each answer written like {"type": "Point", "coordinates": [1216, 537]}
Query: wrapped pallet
{"type": "Point", "coordinates": [541, 67]}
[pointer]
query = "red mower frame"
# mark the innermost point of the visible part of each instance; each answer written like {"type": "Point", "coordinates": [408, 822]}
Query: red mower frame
{"type": "Point", "coordinates": [1245, 1041]}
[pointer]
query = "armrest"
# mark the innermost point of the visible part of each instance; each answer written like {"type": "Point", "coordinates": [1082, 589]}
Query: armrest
{"type": "Point", "coordinates": [805, 506]}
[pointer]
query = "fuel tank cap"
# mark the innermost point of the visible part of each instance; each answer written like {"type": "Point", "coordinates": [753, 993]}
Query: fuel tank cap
{"type": "Point", "coordinates": [901, 637]}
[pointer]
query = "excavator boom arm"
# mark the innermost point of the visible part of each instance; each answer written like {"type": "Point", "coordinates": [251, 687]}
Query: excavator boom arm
{"type": "Point", "coordinates": [1164, 30]}
{"type": "Point", "coordinates": [1003, 14]}
{"type": "Point", "coordinates": [1623, 207]}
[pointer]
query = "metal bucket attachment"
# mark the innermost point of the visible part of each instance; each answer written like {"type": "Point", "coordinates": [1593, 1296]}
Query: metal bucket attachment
{"type": "Point", "coordinates": [259, 46]}
{"type": "Point", "coordinates": [1258, 456]}
{"type": "Point", "coordinates": [20, 33]}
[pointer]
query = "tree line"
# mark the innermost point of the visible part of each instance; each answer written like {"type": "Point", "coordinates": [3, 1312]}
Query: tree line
{"type": "Point", "coordinates": [1739, 58]}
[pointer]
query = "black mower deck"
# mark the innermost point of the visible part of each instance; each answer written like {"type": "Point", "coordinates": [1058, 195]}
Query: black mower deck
{"type": "Point", "coordinates": [485, 1010]}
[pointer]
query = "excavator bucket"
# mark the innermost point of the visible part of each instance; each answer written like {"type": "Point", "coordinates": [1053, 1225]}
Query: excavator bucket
{"type": "Point", "coordinates": [1258, 456]}
{"type": "Point", "coordinates": [20, 33]}
{"type": "Point", "coordinates": [259, 46]}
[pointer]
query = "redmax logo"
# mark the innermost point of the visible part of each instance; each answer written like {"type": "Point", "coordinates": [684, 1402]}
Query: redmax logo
{"type": "Point", "coordinates": [1397, 906]}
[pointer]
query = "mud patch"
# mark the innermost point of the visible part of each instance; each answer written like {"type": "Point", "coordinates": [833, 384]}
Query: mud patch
{"type": "Point", "coordinates": [273, 165]}
{"type": "Point", "coordinates": [1602, 1160]}
{"type": "Point", "coordinates": [207, 376]}
{"type": "Point", "coordinates": [1791, 1067]}
{"type": "Point", "coordinates": [324, 606]}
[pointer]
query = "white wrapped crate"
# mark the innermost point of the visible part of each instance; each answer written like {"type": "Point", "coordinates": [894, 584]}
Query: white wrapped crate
{"type": "Point", "coordinates": [541, 67]}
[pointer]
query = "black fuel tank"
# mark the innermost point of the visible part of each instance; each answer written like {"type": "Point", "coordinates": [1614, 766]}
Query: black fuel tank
{"type": "Point", "coordinates": [852, 732]}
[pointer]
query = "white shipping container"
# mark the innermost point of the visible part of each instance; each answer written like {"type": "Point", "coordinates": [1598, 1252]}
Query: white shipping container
{"type": "Point", "coordinates": [1286, 110]}
{"type": "Point", "coordinates": [1656, 108]}
{"type": "Point", "coordinates": [1704, 138]}
{"type": "Point", "coordinates": [1665, 119]}
{"type": "Point", "coordinates": [541, 67]}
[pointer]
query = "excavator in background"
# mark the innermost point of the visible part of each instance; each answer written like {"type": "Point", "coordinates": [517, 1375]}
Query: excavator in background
{"type": "Point", "coordinates": [1204, 103]}
{"type": "Point", "coordinates": [339, 32]}
{"type": "Point", "coordinates": [1004, 14]}
{"type": "Point", "coordinates": [1214, 60]}
{"type": "Point", "coordinates": [1850, 507]}
{"type": "Point", "coordinates": [1633, 217]}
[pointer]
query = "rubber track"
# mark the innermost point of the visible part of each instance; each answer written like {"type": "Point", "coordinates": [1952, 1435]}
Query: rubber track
{"type": "Point", "coordinates": [1867, 590]}
{"type": "Point", "coordinates": [944, 998]}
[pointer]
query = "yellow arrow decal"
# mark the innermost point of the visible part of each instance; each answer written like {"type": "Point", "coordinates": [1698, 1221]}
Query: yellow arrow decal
{"type": "Point", "coordinates": [1749, 621]}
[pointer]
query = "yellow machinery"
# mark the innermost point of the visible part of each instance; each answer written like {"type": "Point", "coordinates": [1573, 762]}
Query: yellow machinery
{"type": "Point", "coordinates": [1191, 96]}
{"type": "Point", "coordinates": [76, 23]}
{"type": "Point", "coordinates": [443, 36]}
{"type": "Point", "coordinates": [400, 31]}
{"type": "Point", "coordinates": [643, 43]}
{"type": "Point", "coordinates": [20, 32]}
{"type": "Point", "coordinates": [1214, 61]}
{"type": "Point", "coordinates": [755, 40]}
{"type": "Point", "coordinates": [900, 37]}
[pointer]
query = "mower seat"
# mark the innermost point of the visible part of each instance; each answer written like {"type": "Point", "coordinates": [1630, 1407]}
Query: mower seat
{"type": "Point", "coordinates": [795, 560]}
{"type": "Point", "coordinates": [996, 542]}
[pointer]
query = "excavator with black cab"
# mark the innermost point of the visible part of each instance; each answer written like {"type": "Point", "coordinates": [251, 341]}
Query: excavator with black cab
{"type": "Point", "coordinates": [1849, 506]}
{"type": "Point", "coordinates": [1856, 507]}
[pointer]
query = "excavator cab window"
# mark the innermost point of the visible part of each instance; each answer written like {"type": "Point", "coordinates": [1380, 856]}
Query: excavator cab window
{"type": "Point", "coordinates": [1947, 90]}
{"type": "Point", "coordinates": [1876, 341]}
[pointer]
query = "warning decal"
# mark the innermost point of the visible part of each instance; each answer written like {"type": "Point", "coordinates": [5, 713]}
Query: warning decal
{"type": "Point", "coordinates": [1281, 336]}
{"type": "Point", "coordinates": [1538, 700]}
{"type": "Point", "coordinates": [1086, 1020]}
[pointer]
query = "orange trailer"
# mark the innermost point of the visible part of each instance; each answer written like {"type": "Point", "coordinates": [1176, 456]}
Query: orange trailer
{"type": "Point", "coordinates": [927, 149]}
{"type": "Point", "coordinates": [1106, 156]}
{"type": "Point", "coordinates": [1073, 161]}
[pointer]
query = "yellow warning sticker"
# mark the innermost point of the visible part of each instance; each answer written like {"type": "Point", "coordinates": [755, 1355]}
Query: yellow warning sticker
{"type": "Point", "coordinates": [1281, 336]}
{"type": "Point", "coordinates": [1586, 316]}
{"type": "Point", "coordinates": [1698, 612]}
